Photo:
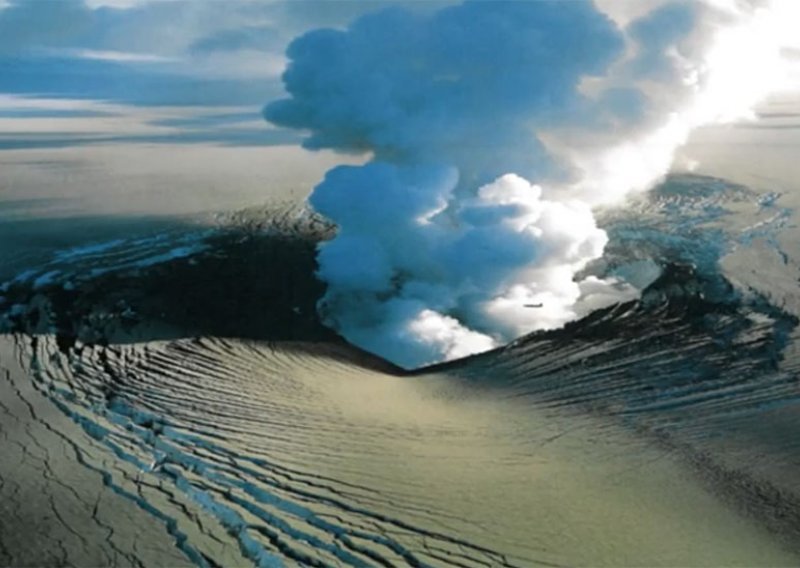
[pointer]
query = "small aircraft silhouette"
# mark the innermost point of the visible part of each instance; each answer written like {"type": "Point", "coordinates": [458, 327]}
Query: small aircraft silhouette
{"type": "Point", "coordinates": [539, 305]}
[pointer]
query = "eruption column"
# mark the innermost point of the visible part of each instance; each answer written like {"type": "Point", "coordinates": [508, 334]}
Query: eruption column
{"type": "Point", "coordinates": [442, 240]}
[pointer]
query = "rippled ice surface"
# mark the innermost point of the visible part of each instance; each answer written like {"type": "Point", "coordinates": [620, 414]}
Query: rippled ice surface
{"type": "Point", "coordinates": [172, 399]}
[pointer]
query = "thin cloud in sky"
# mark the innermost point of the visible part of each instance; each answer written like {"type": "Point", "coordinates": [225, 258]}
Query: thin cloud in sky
{"type": "Point", "coordinates": [152, 54]}
{"type": "Point", "coordinates": [27, 122]}
{"type": "Point", "coordinates": [121, 4]}
{"type": "Point", "coordinates": [119, 56]}
{"type": "Point", "coordinates": [138, 53]}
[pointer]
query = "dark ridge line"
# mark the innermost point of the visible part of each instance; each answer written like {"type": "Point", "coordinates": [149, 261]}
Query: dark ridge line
{"type": "Point", "coordinates": [545, 335]}
{"type": "Point", "coordinates": [657, 297]}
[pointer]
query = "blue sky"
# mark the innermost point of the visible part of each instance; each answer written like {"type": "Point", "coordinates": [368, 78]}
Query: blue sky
{"type": "Point", "coordinates": [214, 63]}
{"type": "Point", "coordinates": [100, 98]}
{"type": "Point", "coordinates": [151, 105]}
{"type": "Point", "coordinates": [166, 71]}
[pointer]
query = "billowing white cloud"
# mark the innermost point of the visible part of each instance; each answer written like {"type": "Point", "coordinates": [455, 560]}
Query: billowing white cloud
{"type": "Point", "coordinates": [444, 246]}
